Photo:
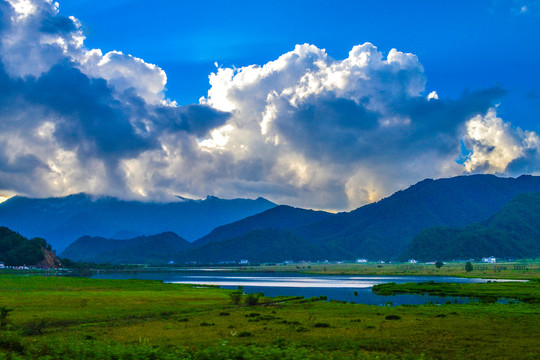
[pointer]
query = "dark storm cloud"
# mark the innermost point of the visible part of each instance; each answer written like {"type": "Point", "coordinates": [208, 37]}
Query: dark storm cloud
{"type": "Point", "coordinates": [69, 117]}
{"type": "Point", "coordinates": [342, 130]}
{"type": "Point", "coordinates": [91, 120]}
{"type": "Point", "coordinates": [194, 119]}
{"type": "Point", "coordinates": [20, 164]}
{"type": "Point", "coordinates": [58, 25]}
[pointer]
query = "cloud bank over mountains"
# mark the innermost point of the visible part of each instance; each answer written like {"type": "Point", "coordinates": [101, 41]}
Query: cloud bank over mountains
{"type": "Point", "coordinates": [304, 129]}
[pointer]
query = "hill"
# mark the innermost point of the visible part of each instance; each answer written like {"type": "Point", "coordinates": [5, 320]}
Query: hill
{"type": "Point", "coordinates": [280, 218]}
{"type": "Point", "coordinates": [156, 249]}
{"type": "Point", "coordinates": [268, 245]}
{"type": "Point", "coordinates": [384, 229]}
{"type": "Point", "coordinates": [512, 232]}
{"type": "Point", "coordinates": [62, 220]}
{"type": "Point", "coordinates": [16, 250]}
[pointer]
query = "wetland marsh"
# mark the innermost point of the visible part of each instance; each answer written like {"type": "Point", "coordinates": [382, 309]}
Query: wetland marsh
{"type": "Point", "coordinates": [75, 318]}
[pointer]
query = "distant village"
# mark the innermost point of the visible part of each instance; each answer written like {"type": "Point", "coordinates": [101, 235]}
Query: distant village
{"type": "Point", "coordinates": [487, 260]}
{"type": "Point", "coordinates": [246, 262]}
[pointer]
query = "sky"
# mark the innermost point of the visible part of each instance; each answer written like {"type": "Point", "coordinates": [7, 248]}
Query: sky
{"type": "Point", "coordinates": [306, 103]}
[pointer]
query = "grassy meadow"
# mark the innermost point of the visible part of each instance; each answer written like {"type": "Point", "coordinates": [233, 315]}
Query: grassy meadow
{"type": "Point", "coordinates": [81, 318]}
{"type": "Point", "coordinates": [523, 269]}
{"type": "Point", "coordinates": [527, 292]}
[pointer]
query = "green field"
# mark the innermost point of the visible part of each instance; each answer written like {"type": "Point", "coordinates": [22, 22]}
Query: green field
{"type": "Point", "coordinates": [79, 318]}
{"type": "Point", "coordinates": [527, 292]}
{"type": "Point", "coordinates": [523, 269]}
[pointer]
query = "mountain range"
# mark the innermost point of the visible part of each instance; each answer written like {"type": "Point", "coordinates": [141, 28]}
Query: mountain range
{"type": "Point", "coordinates": [383, 230]}
{"type": "Point", "coordinates": [63, 220]}
{"type": "Point", "coordinates": [281, 217]}
{"type": "Point", "coordinates": [156, 249]}
{"type": "Point", "coordinates": [387, 229]}
{"type": "Point", "coordinates": [513, 231]}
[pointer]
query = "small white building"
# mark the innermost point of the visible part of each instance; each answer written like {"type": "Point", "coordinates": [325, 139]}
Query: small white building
{"type": "Point", "coordinates": [412, 261]}
{"type": "Point", "coordinates": [490, 260]}
{"type": "Point", "coordinates": [361, 261]}
{"type": "Point", "coordinates": [2, 265]}
{"type": "Point", "coordinates": [244, 262]}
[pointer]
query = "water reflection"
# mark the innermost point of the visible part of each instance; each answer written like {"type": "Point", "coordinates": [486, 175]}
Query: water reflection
{"type": "Point", "coordinates": [342, 288]}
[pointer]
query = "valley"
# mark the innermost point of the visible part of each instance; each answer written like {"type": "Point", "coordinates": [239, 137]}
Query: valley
{"type": "Point", "coordinates": [74, 318]}
{"type": "Point", "coordinates": [469, 244]}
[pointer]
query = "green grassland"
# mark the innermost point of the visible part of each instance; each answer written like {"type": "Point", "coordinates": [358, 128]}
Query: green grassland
{"type": "Point", "coordinates": [80, 318]}
{"type": "Point", "coordinates": [528, 292]}
{"type": "Point", "coordinates": [523, 269]}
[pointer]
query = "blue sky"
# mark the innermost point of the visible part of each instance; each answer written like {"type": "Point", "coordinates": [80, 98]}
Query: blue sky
{"type": "Point", "coordinates": [313, 104]}
{"type": "Point", "coordinates": [461, 44]}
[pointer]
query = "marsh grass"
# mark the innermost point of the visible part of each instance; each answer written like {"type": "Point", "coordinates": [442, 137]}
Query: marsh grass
{"type": "Point", "coordinates": [129, 319]}
{"type": "Point", "coordinates": [489, 292]}
{"type": "Point", "coordinates": [522, 269]}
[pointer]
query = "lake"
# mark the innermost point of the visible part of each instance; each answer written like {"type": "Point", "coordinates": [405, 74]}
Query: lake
{"type": "Point", "coordinates": [343, 288]}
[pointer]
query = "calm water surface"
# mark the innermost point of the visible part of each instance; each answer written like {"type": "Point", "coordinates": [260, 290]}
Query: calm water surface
{"type": "Point", "coordinates": [343, 288]}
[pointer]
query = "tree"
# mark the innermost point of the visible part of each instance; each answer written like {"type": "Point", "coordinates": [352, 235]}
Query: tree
{"type": "Point", "coordinates": [468, 266]}
{"type": "Point", "coordinates": [439, 264]}
{"type": "Point", "coordinates": [4, 312]}
{"type": "Point", "coordinates": [235, 296]}
{"type": "Point", "coordinates": [17, 250]}
{"type": "Point", "coordinates": [252, 299]}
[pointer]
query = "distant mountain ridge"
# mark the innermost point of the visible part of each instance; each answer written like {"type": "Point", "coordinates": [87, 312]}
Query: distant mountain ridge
{"type": "Point", "coordinates": [514, 231]}
{"type": "Point", "coordinates": [65, 219]}
{"type": "Point", "coordinates": [156, 249]}
{"type": "Point", "coordinates": [252, 236]}
{"type": "Point", "coordinates": [281, 217]}
{"type": "Point", "coordinates": [256, 246]}
{"type": "Point", "coordinates": [382, 230]}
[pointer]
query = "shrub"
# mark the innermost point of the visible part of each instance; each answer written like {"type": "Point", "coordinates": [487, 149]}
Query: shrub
{"type": "Point", "coordinates": [468, 266]}
{"type": "Point", "coordinates": [166, 315]}
{"type": "Point", "coordinates": [11, 343]}
{"type": "Point", "coordinates": [236, 296]}
{"type": "Point", "coordinates": [34, 327]}
{"type": "Point", "coordinates": [321, 325]}
{"type": "Point", "coordinates": [224, 313]}
{"type": "Point", "coordinates": [4, 313]}
{"type": "Point", "coordinates": [393, 317]}
{"type": "Point", "coordinates": [252, 299]}
{"type": "Point", "coordinates": [244, 334]}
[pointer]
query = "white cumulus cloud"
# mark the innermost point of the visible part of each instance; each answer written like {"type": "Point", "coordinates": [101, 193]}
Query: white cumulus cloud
{"type": "Point", "coordinates": [340, 133]}
{"type": "Point", "coordinates": [494, 144]}
{"type": "Point", "coordinates": [304, 129]}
